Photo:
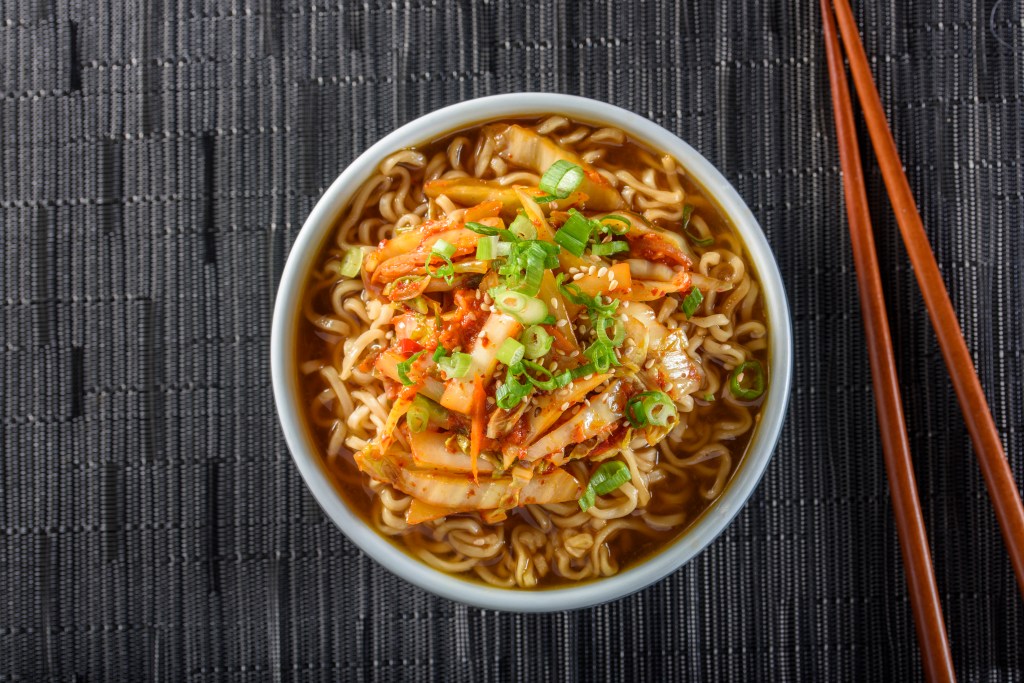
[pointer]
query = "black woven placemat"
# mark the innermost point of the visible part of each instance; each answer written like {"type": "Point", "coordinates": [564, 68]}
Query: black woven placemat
{"type": "Point", "coordinates": [156, 162]}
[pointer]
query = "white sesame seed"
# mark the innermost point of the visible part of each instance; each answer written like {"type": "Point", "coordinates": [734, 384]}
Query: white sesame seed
{"type": "Point", "coordinates": [565, 406]}
{"type": "Point", "coordinates": [613, 285]}
{"type": "Point", "coordinates": [587, 401]}
{"type": "Point", "coordinates": [582, 329]}
{"type": "Point", "coordinates": [739, 378]}
{"type": "Point", "coordinates": [577, 276]}
{"type": "Point", "coordinates": [482, 335]}
{"type": "Point", "coordinates": [554, 365]}
{"type": "Point", "coordinates": [574, 353]}
{"type": "Point", "coordinates": [624, 318]}
{"type": "Point", "coordinates": [649, 364]}
{"type": "Point", "coordinates": [554, 302]}
{"type": "Point", "coordinates": [669, 386]}
{"type": "Point", "coordinates": [602, 272]}
{"type": "Point", "coordinates": [562, 323]}
{"type": "Point", "coordinates": [573, 270]}
{"type": "Point", "coordinates": [592, 270]}
{"type": "Point", "coordinates": [589, 377]}
{"type": "Point", "coordinates": [389, 335]}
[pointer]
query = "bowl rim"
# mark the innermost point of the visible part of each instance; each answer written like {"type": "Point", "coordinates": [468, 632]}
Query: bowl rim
{"type": "Point", "coordinates": [669, 559]}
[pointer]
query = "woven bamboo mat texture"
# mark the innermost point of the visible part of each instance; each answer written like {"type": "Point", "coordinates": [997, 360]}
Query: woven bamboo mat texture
{"type": "Point", "coordinates": [156, 162]}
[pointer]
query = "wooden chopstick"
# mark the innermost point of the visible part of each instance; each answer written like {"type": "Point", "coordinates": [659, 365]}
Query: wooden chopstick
{"type": "Point", "coordinates": [988, 448]}
{"type": "Point", "coordinates": [924, 594]}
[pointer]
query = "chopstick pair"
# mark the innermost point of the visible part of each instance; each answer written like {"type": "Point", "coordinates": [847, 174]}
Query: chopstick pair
{"type": "Point", "coordinates": [931, 630]}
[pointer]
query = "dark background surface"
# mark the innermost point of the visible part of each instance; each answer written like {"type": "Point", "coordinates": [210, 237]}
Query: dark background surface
{"type": "Point", "coordinates": [157, 160]}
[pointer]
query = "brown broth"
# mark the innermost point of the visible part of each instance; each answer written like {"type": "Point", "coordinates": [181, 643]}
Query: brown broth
{"type": "Point", "coordinates": [628, 548]}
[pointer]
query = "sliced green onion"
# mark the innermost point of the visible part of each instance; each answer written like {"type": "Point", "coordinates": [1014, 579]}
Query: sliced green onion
{"type": "Point", "coordinates": [709, 397]}
{"type": "Point", "coordinates": [417, 417]}
{"type": "Point", "coordinates": [694, 237]}
{"type": "Point", "coordinates": [548, 320]}
{"type": "Point", "coordinates": [511, 392]}
{"type": "Point", "coordinates": [602, 355]}
{"type": "Point", "coordinates": [447, 271]}
{"type": "Point", "coordinates": [575, 233]}
{"type": "Point", "coordinates": [602, 331]}
{"type": "Point", "coordinates": [567, 376]}
{"type": "Point", "coordinates": [533, 269]}
{"type": "Point", "coordinates": [562, 379]}
{"type": "Point", "coordinates": [455, 365]}
{"type": "Point", "coordinates": [546, 381]}
{"type": "Point", "coordinates": [526, 263]}
{"type": "Point", "coordinates": [687, 215]}
{"type": "Point", "coordinates": [692, 302]}
{"type": "Point", "coordinates": [536, 342]}
{"type": "Point", "coordinates": [504, 249]}
{"type": "Point", "coordinates": [526, 309]}
{"type": "Point", "coordinates": [482, 229]}
{"type": "Point", "coordinates": [650, 408]}
{"type": "Point", "coordinates": [511, 352]}
{"type": "Point", "coordinates": [405, 366]}
{"type": "Point", "coordinates": [747, 380]}
{"type": "Point", "coordinates": [550, 253]}
{"type": "Point", "coordinates": [443, 249]}
{"type": "Point", "coordinates": [561, 179]}
{"type": "Point", "coordinates": [608, 477]}
{"type": "Point", "coordinates": [624, 224]}
{"type": "Point", "coordinates": [583, 370]}
{"type": "Point", "coordinates": [352, 262]}
{"type": "Point", "coordinates": [609, 248]}
{"type": "Point", "coordinates": [523, 227]}
{"type": "Point", "coordinates": [487, 248]}
{"type": "Point", "coordinates": [572, 292]}
{"type": "Point", "coordinates": [439, 353]}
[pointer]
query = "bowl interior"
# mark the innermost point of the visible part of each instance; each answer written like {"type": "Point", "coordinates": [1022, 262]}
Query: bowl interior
{"type": "Point", "coordinates": [286, 391]}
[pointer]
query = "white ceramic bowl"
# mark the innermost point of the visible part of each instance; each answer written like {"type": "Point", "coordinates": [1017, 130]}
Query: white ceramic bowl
{"type": "Point", "coordinates": [283, 362]}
